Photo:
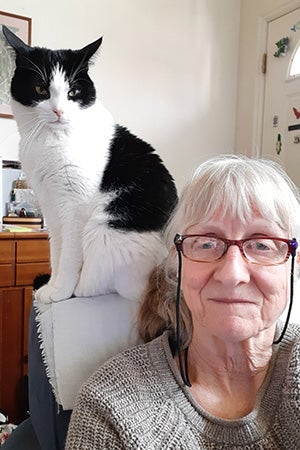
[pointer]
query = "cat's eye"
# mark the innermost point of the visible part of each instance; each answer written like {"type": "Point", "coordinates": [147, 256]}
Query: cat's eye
{"type": "Point", "coordinates": [73, 92]}
{"type": "Point", "coordinates": [41, 90]}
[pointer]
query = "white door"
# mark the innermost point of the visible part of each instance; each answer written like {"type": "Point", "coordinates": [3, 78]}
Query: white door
{"type": "Point", "coordinates": [281, 127]}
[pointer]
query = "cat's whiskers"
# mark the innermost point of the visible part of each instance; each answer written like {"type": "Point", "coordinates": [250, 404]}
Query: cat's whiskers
{"type": "Point", "coordinates": [36, 69]}
{"type": "Point", "coordinates": [32, 133]}
{"type": "Point", "coordinates": [81, 68]}
{"type": "Point", "coordinates": [31, 128]}
{"type": "Point", "coordinates": [80, 79]}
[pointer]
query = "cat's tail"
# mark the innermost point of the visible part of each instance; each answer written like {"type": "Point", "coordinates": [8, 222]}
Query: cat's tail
{"type": "Point", "coordinates": [40, 280]}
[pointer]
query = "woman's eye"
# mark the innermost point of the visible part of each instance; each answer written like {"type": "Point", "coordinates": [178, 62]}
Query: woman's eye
{"type": "Point", "coordinates": [261, 246]}
{"type": "Point", "coordinates": [203, 244]}
{"type": "Point", "coordinates": [206, 245]}
{"type": "Point", "coordinates": [41, 90]}
{"type": "Point", "coordinates": [73, 92]}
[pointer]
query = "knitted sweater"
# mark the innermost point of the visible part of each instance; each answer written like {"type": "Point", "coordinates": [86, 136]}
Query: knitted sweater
{"type": "Point", "coordinates": [137, 400]}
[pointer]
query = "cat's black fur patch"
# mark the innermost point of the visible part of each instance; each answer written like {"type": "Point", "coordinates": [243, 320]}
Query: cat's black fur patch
{"type": "Point", "coordinates": [146, 193]}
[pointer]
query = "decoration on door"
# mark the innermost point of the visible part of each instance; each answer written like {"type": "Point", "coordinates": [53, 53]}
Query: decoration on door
{"type": "Point", "coordinates": [296, 26]}
{"type": "Point", "coordinates": [275, 121]}
{"type": "Point", "coordinates": [296, 112]}
{"type": "Point", "coordinates": [278, 144]}
{"type": "Point", "coordinates": [293, 127]}
{"type": "Point", "coordinates": [282, 47]}
{"type": "Point", "coordinates": [293, 115]}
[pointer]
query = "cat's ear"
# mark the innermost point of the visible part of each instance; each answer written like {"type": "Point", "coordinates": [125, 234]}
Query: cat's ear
{"type": "Point", "coordinates": [13, 40]}
{"type": "Point", "coordinates": [91, 49]}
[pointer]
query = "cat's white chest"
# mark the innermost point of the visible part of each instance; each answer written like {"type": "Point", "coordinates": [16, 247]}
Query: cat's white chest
{"type": "Point", "coordinates": [68, 160]}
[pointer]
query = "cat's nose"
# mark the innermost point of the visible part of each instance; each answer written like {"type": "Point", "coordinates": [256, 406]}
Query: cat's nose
{"type": "Point", "coordinates": [58, 112]}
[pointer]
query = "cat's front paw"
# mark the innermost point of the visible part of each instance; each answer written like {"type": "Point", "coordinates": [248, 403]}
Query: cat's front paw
{"type": "Point", "coordinates": [49, 293]}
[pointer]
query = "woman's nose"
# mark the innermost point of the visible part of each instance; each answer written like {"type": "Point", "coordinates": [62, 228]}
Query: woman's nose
{"type": "Point", "coordinates": [232, 268]}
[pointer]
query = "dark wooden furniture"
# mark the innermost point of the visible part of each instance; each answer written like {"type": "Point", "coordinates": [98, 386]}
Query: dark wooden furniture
{"type": "Point", "coordinates": [22, 257]}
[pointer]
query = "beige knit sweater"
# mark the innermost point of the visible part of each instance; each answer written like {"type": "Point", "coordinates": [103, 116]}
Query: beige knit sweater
{"type": "Point", "coordinates": [137, 401]}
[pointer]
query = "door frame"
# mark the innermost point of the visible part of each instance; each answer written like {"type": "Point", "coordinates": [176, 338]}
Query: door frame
{"type": "Point", "coordinates": [260, 82]}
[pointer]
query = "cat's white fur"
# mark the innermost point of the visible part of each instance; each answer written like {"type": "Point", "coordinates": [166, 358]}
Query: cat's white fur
{"type": "Point", "coordinates": [60, 152]}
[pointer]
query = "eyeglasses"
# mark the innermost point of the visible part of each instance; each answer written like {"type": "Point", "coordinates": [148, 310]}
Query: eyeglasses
{"type": "Point", "coordinates": [267, 251]}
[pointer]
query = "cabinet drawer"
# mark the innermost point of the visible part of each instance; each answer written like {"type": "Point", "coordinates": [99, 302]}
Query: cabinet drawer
{"type": "Point", "coordinates": [6, 251]}
{"type": "Point", "coordinates": [7, 275]}
{"type": "Point", "coordinates": [30, 250]}
{"type": "Point", "coordinates": [25, 273]}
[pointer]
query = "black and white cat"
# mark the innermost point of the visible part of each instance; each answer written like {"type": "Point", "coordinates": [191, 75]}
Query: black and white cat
{"type": "Point", "coordinates": [105, 194]}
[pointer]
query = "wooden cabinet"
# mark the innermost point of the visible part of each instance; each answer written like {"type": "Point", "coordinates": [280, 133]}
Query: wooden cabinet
{"type": "Point", "coordinates": [22, 257]}
{"type": "Point", "coordinates": [7, 263]}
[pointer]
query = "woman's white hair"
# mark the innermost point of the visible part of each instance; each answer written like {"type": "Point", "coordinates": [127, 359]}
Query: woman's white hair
{"type": "Point", "coordinates": [239, 186]}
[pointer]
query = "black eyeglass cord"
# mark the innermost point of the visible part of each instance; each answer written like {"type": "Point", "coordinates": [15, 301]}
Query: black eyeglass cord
{"type": "Point", "coordinates": [183, 370]}
{"type": "Point", "coordinates": [277, 341]}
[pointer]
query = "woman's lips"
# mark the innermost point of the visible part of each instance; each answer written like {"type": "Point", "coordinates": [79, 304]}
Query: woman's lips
{"type": "Point", "coordinates": [229, 300]}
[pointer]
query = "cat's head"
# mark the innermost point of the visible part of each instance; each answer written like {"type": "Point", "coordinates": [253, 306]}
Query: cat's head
{"type": "Point", "coordinates": [53, 83]}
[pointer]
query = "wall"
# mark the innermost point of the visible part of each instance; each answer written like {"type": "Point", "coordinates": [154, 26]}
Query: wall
{"type": "Point", "coordinates": [167, 69]}
{"type": "Point", "coordinates": [254, 16]}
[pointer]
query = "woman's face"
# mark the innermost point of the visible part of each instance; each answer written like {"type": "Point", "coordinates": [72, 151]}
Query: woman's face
{"type": "Point", "coordinates": [232, 298]}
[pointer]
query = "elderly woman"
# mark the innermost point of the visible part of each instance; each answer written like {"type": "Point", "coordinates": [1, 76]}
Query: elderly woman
{"type": "Point", "coordinates": [220, 370]}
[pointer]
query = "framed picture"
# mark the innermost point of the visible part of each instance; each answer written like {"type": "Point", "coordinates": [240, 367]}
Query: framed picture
{"type": "Point", "coordinates": [21, 26]}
